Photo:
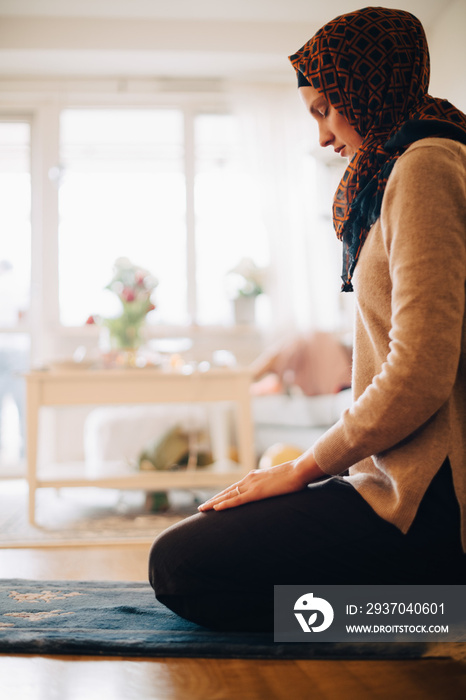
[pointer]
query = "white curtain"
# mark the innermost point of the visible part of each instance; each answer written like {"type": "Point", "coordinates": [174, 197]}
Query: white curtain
{"type": "Point", "coordinates": [295, 190]}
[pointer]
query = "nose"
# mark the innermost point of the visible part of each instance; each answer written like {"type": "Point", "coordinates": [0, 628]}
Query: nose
{"type": "Point", "coordinates": [326, 137]}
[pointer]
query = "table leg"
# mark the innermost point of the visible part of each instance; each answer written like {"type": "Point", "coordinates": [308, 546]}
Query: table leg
{"type": "Point", "coordinates": [32, 418]}
{"type": "Point", "coordinates": [218, 425]}
{"type": "Point", "coordinates": [245, 432]}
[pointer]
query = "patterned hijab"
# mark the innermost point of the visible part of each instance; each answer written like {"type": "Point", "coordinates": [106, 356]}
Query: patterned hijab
{"type": "Point", "coordinates": [372, 66]}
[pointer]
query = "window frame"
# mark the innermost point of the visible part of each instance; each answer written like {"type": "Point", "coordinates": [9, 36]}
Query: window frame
{"type": "Point", "coordinates": [40, 102]}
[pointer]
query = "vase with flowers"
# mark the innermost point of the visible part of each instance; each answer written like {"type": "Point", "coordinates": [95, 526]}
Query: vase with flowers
{"type": "Point", "coordinates": [134, 287]}
{"type": "Point", "coordinates": [245, 282]}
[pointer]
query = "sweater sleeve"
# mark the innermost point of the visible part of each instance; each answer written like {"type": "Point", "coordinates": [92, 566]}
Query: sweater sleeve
{"type": "Point", "coordinates": [423, 232]}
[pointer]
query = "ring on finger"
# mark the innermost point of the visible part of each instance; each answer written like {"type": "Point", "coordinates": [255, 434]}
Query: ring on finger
{"type": "Point", "coordinates": [238, 491]}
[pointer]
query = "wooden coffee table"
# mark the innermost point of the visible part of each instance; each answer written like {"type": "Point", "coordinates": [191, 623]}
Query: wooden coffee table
{"type": "Point", "coordinates": [122, 386]}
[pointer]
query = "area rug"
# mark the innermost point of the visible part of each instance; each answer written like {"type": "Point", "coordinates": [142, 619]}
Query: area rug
{"type": "Point", "coordinates": [124, 619]}
{"type": "Point", "coordinates": [87, 516]}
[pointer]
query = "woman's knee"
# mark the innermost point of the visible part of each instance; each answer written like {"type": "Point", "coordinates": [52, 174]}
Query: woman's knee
{"type": "Point", "coordinates": [162, 560]}
{"type": "Point", "coordinates": [176, 555]}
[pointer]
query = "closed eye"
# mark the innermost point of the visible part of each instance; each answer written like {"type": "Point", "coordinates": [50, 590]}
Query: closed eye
{"type": "Point", "coordinates": [320, 110]}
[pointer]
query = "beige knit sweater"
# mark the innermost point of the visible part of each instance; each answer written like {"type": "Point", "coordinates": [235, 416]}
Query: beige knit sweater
{"type": "Point", "coordinates": [409, 371]}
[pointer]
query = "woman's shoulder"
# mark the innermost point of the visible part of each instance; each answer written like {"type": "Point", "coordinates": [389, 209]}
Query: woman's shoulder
{"type": "Point", "coordinates": [435, 147]}
{"type": "Point", "coordinates": [431, 159]}
{"type": "Point", "coordinates": [427, 178]}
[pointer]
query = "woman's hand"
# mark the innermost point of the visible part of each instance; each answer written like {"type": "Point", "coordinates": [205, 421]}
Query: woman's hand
{"type": "Point", "coordinates": [265, 483]}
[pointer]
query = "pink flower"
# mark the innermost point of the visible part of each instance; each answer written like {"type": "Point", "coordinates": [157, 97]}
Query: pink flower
{"type": "Point", "coordinates": [128, 294]}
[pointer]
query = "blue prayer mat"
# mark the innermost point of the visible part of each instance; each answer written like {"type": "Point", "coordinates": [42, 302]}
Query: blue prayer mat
{"type": "Point", "coordinates": [109, 618]}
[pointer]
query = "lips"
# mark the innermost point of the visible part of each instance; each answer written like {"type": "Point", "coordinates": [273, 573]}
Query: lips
{"type": "Point", "coordinates": [340, 150]}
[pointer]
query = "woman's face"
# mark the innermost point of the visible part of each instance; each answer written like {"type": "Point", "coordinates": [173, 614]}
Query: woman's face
{"type": "Point", "coordinates": [334, 129]}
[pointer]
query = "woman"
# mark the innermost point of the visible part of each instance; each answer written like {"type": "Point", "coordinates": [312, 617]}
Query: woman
{"type": "Point", "coordinates": [398, 516]}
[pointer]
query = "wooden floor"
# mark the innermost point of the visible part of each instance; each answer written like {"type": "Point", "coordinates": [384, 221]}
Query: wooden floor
{"type": "Point", "coordinates": [89, 678]}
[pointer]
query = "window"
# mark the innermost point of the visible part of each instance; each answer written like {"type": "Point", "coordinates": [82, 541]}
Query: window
{"type": "Point", "coordinates": [15, 222]}
{"type": "Point", "coordinates": [122, 194]}
{"type": "Point", "coordinates": [15, 275]}
{"type": "Point", "coordinates": [164, 188]}
{"type": "Point", "coordinates": [228, 224]}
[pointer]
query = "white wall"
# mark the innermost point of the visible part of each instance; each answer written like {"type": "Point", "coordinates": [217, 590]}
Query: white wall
{"type": "Point", "coordinates": [448, 54]}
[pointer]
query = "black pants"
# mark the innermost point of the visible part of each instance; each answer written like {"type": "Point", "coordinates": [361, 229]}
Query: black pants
{"type": "Point", "coordinates": [219, 568]}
